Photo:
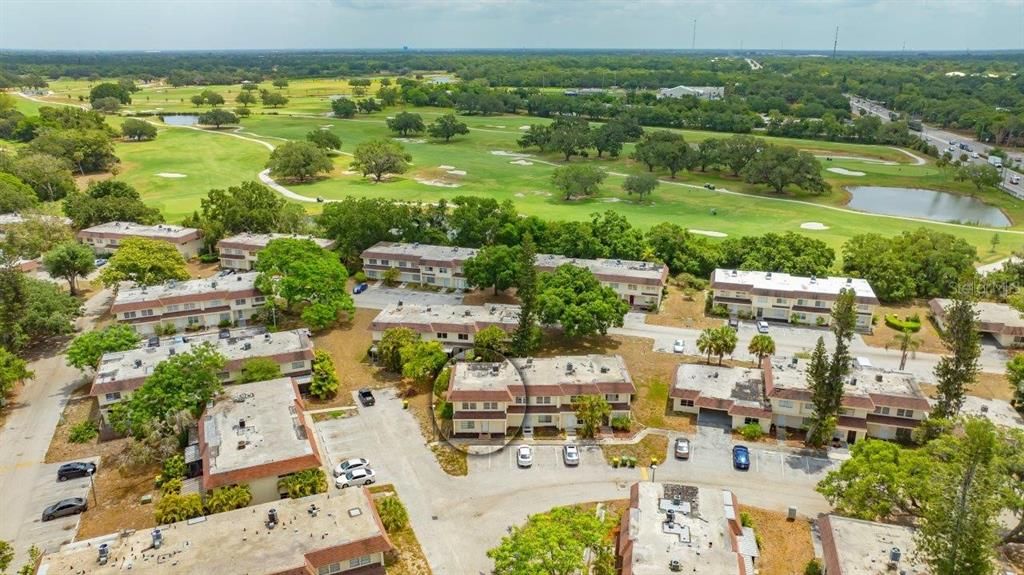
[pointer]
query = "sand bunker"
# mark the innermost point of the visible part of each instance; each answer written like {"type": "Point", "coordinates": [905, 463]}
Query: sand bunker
{"type": "Point", "coordinates": [611, 200]}
{"type": "Point", "coordinates": [349, 173]}
{"type": "Point", "coordinates": [457, 172]}
{"type": "Point", "coordinates": [812, 226]}
{"type": "Point", "coordinates": [410, 140]}
{"type": "Point", "coordinates": [521, 162]}
{"type": "Point", "coordinates": [170, 175]}
{"type": "Point", "coordinates": [492, 126]}
{"type": "Point", "coordinates": [845, 172]}
{"type": "Point", "coordinates": [438, 183]}
{"type": "Point", "coordinates": [708, 233]}
{"type": "Point", "coordinates": [446, 167]}
{"type": "Point", "coordinates": [524, 127]}
{"type": "Point", "coordinates": [520, 195]}
{"type": "Point", "coordinates": [510, 154]}
{"type": "Point", "coordinates": [325, 126]}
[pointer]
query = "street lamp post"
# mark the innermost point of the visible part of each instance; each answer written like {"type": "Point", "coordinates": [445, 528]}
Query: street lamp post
{"type": "Point", "coordinates": [654, 468]}
{"type": "Point", "coordinates": [92, 484]}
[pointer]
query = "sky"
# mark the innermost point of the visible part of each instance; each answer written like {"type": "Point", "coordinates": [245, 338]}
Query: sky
{"type": "Point", "coordinates": [915, 25]}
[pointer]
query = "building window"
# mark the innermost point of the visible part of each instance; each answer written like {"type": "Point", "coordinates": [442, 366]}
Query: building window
{"type": "Point", "coordinates": [467, 425]}
{"type": "Point", "coordinates": [401, 263]}
{"type": "Point", "coordinates": [383, 262]}
{"type": "Point", "coordinates": [490, 405]}
{"type": "Point", "coordinates": [799, 302]}
{"type": "Point", "coordinates": [298, 364]}
{"type": "Point", "coordinates": [190, 306]}
{"type": "Point", "coordinates": [330, 569]}
{"type": "Point", "coordinates": [258, 300]}
{"type": "Point", "coordinates": [519, 399]}
{"type": "Point", "coordinates": [359, 561]}
{"type": "Point", "coordinates": [441, 335]}
{"type": "Point", "coordinates": [430, 280]}
{"type": "Point", "coordinates": [610, 397]}
{"type": "Point", "coordinates": [442, 270]}
{"type": "Point", "coordinates": [193, 320]}
{"type": "Point", "coordinates": [147, 313]}
{"type": "Point", "coordinates": [749, 420]}
{"type": "Point", "coordinates": [216, 303]}
{"type": "Point", "coordinates": [224, 375]}
{"type": "Point", "coordinates": [544, 419]}
{"type": "Point", "coordinates": [430, 268]}
{"type": "Point", "coordinates": [129, 315]}
{"type": "Point", "coordinates": [463, 337]}
{"type": "Point", "coordinates": [546, 400]}
{"type": "Point", "coordinates": [780, 300]}
{"type": "Point", "coordinates": [904, 413]}
{"type": "Point", "coordinates": [785, 403]}
{"type": "Point", "coordinates": [373, 261]}
{"type": "Point", "coordinates": [613, 285]}
{"type": "Point", "coordinates": [172, 307]}
{"type": "Point", "coordinates": [819, 303]}
{"type": "Point", "coordinates": [631, 287]}
{"type": "Point", "coordinates": [686, 403]}
{"type": "Point", "coordinates": [881, 410]}
{"type": "Point", "coordinates": [469, 405]}
{"type": "Point", "coordinates": [239, 302]}
{"type": "Point", "coordinates": [113, 396]}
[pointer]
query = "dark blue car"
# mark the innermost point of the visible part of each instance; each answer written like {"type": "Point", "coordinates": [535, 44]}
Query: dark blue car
{"type": "Point", "coordinates": [741, 457]}
{"type": "Point", "coordinates": [360, 287]}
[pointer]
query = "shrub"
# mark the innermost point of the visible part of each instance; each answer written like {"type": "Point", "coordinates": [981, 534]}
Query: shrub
{"type": "Point", "coordinates": [912, 323]}
{"type": "Point", "coordinates": [813, 567]}
{"type": "Point", "coordinates": [174, 468]}
{"type": "Point", "coordinates": [325, 378]}
{"type": "Point", "coordinates": [719, 310]}
{"type": "Point", "coordinates": [621, 423]}
{"type": "Point", "coordinates": [175, 507]}
{"type": "Point", "coordinates": [441, 382]}
{"type": "Point", "coordinates": [751, 431]}
{"type": "Point", "coordinates": [745, 519]}
{"type": "Point", "coordinates": [224, 323]}
{"type": "Point", "coordinates": [83, 432]}
{"type": "Point", "coordinates": [820, 321]}
{"type": "Point", "coordinates": [228, 498]}
{"type": "Point", "coordinates": [447, 410]}
{"type": "Point", "coordinates": [304, 483]}
{"type": "Point", "coordinates": [172, 486]}
{"type": "Point", "coordinates": [209, 258]}
{"type": "Point", "coordinates": [359, 276]}
{"type": "Point", "coordinates": [392, 514]}
{"type": "Point", "coordinates": [615, 461]}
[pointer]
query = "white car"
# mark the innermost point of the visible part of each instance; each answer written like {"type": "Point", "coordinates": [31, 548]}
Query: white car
{"type": "Point", "coordinates": [524, 456]}
{"type": "Point", "coordinates": [350, 465]}
{"type": "Point", "coordinates": [677, 347]}
{"type": "Point", "coordinates": [762, 326]}
{"type": "Point", "coordinates": [356, 478]}
{"type": "Point", "coordinates": [571, 454]}
{"type": "Point", "coordinates": [975, 155]}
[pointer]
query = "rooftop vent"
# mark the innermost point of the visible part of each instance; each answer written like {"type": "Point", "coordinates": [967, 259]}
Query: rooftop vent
{"type": "Point", "coordinates": [734, 273]}
{"type": "Point", "coordinates": [158, 539]}
{"type": "Point", "coordinates": [814, 278]}
{"type": "Point", "coordinates": [399, 303]}
{"type": "Point", "coordinates": [529, 361]}
{"type": "Point", "coordinates": [493, 310]}
{"type": "Point", "coordinates": [675, 565]}
{"type": "Point", "coordinates": [853, 382]}
{"type": "Point", "coordinates": [768, 276]}
{"type": "Point", "coordinates": [467, 313]}
{"type": "Point", "coordinates": [241, 422]}
{"type": "Point", "coordinates": [271, 518]}
{"type": "Point", "coordinates": [849, 281]}
{"type": "Point", "coordinates": [569, 368]}
{"type": "Point", "coordinates": [138, 363]}
{"type": "Point", "coordinates": [355, 512]}
{"type": "Point", "coordinates": [266, 337]}
{"type": "Point", "coordinates": [170, 351]}
{"type": "Point", "coordinates": [313, 510]}
{"type": "Point", "coordinates": [213, 284]}
{"type": "Point", "coordinates": [104, 554]}
{"type": "Point", "coordinates": [242, 443]}
{"type": "Point", "coordinates": [246, 346]}
{"type": "Point", "coordinates": [604, 369]}
{"type": "Point", "coordinates": [671, 517]}
{"type": "Point", "coordinates": [428, 309]}
{"type": "Point", "coordinates": [984, 409]}
{"type": "Point", "coordinates": [494, 369]}
{"type": "Point", "coordinates": [895, 555]}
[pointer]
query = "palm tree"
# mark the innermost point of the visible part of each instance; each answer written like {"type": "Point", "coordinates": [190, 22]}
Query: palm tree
{"type": "Point", "coordinates": [706, 342]}
{"type": "Point", "coordinates": [725, 341]}
{"type": "Point", "coordinates": [907, 343]}
{"type": "Point", "coordinates": [762, 346]}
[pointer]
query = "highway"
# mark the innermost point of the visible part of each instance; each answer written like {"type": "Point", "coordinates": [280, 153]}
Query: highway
{"type": "Point", "coordinates": [942, 138]}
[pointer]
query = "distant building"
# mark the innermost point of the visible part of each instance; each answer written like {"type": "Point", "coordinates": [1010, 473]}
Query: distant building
{"type": "Point", "coordinates": [454, 326]}
{"type": "Point", "coordinates": [639, 283]}
{"type": "Point", "coordinates": [998, 320]}
{"type": "Point", "coordinates": [121, 373]}
{"type": "Point", "coordinates": [682, 528]}
{"type": "Point", "coordinates": [583, 92]}
{"type": "Point", "coordinates": [13, 218]}
{"type": "Point", "coordinates": [194, 304]}
{"type": "Point", "coordinates": [702, 92]}
{"type": "Point", "coordinates": [794, 299]}
{"type": "Point", "coordinates": [106, 238]}
{"type": "Point", "coordinates": [857, 547]}
{"type": "Point", "coordinates": [997, 411]}
{"type": "Point", "coordinates": [256, 435]}
{"type": "Point", "coordinates": [239, 252]}
{"type": "Point", "coordinates": [492, 399]}
{"type": "Point", "coordinates": [337, 532]}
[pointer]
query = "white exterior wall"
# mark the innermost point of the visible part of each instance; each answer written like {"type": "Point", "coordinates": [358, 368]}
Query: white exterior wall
{"type": "Point", "coordinates": [188, 250]}
{"type": "Point", "coordinates": [241, 311]}
{"type": "Point", "coordinates": [740, 420]}
{"type": "Point", "coordinates": [781, 309]}
{"type": "Point", "coordinates": [677, 405]}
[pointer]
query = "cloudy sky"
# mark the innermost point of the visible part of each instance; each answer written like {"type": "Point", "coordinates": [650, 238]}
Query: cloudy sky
{"type": "Point", "coordinates": [538, 24]}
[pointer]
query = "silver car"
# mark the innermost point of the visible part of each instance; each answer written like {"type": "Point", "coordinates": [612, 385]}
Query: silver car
{"type": "Point", "coordinates": [356, 478]}
{"type": "Point", "coordinates": [524, 456]}
{"type": "Point", "coordinates": [571, 454]}
{"type": "Point", "coordinates": [682, 449]}
{"type": "Point", "coordinates": [350, 465]}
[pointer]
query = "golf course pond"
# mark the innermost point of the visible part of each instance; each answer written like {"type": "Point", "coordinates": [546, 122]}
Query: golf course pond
{"type": "Point", "coordinates": [181, 119]}
{"type": "Point", "coordinates": [926, 204]}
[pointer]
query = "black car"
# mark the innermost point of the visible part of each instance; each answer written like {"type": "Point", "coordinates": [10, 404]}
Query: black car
{"type": "Point", "coordinates": [65, 507]}
{"type": "Point", "coordinates": [76, 469]}
{"type": "Point", "coordinates": [366, 397]}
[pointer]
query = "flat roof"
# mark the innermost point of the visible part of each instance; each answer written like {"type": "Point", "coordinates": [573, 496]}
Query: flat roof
{"type": "Point", "coordinates": [991, 315]}
{"type": "Point", "coordinates": [643, 272]}
{"type": "Point", "coordinates": [997, 411]}
{"type": "Point", "coordinates": [274, 430]}
{"type": "Point", "coordinates": [169, 232]}
{"type": "Point", "coordinates": [542, 376]}
{"type": "Point", "coordinates": [17, 218]}
{"type": "Point", "coordinates": [259, 241]}
{"type": "Point", "coordinates": [786, 285]}
{"type": "Point", "coordinates": [419, 251]}
{"type": "Point", "coordinates": [740, 385]}
{"type": "Point", "coordinates": [125, 370]}
{"type": "Point", "coordinates": [443, 317]}
{"type": "Point", "coordinates": [345, 526]}
{"type": "Point", "coordinates": [489, 376]}
{"type": "Point", "coordinates": [864, 387]}
{"type": "Point", "coordinates": [573, 370]}
{"type": "Point", "coordinates": [188, 289]}
{"type": "Point", "coordinates": [857, 547]}
{"type": "Point", "coordinates": [699, 537]}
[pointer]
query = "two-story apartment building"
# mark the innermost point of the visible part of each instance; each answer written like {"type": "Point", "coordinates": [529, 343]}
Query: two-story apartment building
{"type": "Point", "coordinates": [254, 435]}
{"type": "Point", "coordinates": [455, 326]}
{"type": "Point", "coordinates": [639, 283]}
{"type": "Point", "coordinates": [121, 373]}
{"type": "Point", "coordinates": [330, 533]}
{"type": "Point", "coordinates": [711, 390]}
{"type": "Point", "coordinates": [106, 238]}
{"type": "Point", "coordinates": [998, 320]}
{"type": "Point", "coordinates": [857, 547]}
{"type": "Point", "coordinates": [190, 305]}
{"type": "Point", "coordinates": [784, 297]}
{"type": "Point", "coordinates": [878, 403]}
{"type": "Point", "coordinates": [492, 399]}
{"type": "Point", "coordinates": [239, 252]}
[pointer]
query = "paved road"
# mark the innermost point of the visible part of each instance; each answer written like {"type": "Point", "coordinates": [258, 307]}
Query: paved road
{"type": "Point", "coordinates": [377, 296]}
{"type": "Point", "coordinates": [458, 518]}
{"type": "Point", "coordinates": [790, 340]}
{"type": "Point", "coordinates": [25, 438]}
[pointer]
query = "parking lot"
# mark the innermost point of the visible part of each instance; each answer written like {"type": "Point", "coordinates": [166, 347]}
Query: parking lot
{"type": "Point", "coordinates": [545, 458]}
{"type": "Point", "coordinates": [50, 535]}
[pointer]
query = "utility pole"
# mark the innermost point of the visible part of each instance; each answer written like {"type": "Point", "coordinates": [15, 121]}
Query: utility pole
{"type": "Point", "coordinates": [693, 39]}
{"type": "Point", "coordinates": [835, 43]}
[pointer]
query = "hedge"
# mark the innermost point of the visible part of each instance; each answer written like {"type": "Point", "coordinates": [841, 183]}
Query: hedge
{"type": "Point", "coordinates": [913, 324]}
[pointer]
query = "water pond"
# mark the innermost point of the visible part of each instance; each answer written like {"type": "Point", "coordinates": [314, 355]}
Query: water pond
{"type": "Point", "coordinates": [926, 204]}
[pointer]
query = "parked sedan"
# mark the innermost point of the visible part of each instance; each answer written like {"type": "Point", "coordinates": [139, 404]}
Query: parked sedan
{"type": "Point", "coordinates": [682, 449]}
{"type": "Point", "coordinates": [350, 465]}
{"type": "Point", "coordinates": [524, 456]}
{"type": "Point", "coordinates": [741, 457]}
{"type": "Point", "coordinates": [762, 326]}
{"type": "Point", "coordinates": [678, 347]}
{"type": "Point", "coordinates": [360, 287]}
{"type": "Point", "coordinates": [366, 397]}
{"type": "Point", "coordinates": [75, 469]}
{"type": "Point", "coordinates": [65, 507]}
{"type": "Point", "coordinates": [356, 478]}
{"type": "Point", "coordinates": [571, 454]}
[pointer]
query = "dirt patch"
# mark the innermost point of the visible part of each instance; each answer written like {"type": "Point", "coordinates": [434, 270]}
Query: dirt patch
{"type": "Point", "coordinates": [199, 270]}
{"type": "Point", "coordinates": [679, 311]}
{"type": "Point", "coordinates": [652, 408]}
{"type": "Point", "coordinates": [487, 296]}
{"type": "Point", "coordinates": [883, 334]}
{"type": "Point", "coordinates": [988, 386]}
{"type": "Point", "coordinates": [785, 545]}
{"type": "Point", "coordinates": [82, 182]}
{"type": "Point", "coordinates": [408, 558]}
{"type": "Point", "coordinates": [80, 407]}
{"type": "Point", "coordinates": [347, 345]}
{"type": "Point", "coordinates": [648, 449]}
